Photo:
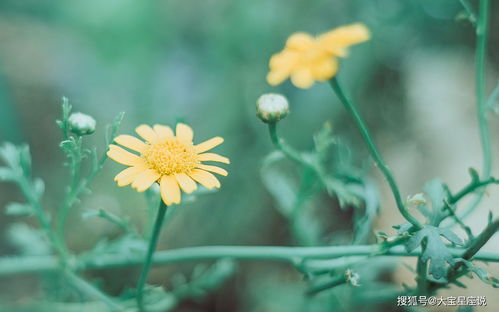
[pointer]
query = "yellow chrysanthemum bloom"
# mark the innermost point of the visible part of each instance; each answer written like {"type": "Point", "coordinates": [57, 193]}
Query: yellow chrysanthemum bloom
{"type": "Point", "coordinates": [170, 159]}
{"type": "Point", "coordinates": [307, 59]}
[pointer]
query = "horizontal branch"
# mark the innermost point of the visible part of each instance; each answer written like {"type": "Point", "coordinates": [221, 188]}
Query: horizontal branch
{"type": "Point", "coordinates": [292, 255]}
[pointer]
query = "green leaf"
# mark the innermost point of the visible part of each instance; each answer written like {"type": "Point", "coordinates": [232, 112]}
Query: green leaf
{"type": "Point", "coordinates": [29, 241]}
{"type": "Point", "coordinates": [38, 187]}
{"type": "Point", "coordinates": [475, 176]}
{"type": "Point", "coordinates": [18, 209]}
{"type": "Point", "coordinates": [6, 174]}
{"type": "Point", "coordinates": [434, 249]}
{"type": "Point", "coordinates": [323, 140]}
{"type": "Point", "coordinates": [437, 193]}
{"type": "Point", "coordinates": [10, 154]}
{"type": "Point", "coordinates": [279, 184]}
{"type": "Point", "coordinates": [25, 160]}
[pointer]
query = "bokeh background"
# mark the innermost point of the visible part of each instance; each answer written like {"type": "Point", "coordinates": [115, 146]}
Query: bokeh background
{"type": "Point", "coordinates": [204, 62]}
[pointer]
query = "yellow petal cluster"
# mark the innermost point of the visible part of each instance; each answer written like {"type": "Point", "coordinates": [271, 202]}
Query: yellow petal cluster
{"type": "Point", "coordinates": [307, 59]}
{"type": "Point", "coordinates": [168, 158]}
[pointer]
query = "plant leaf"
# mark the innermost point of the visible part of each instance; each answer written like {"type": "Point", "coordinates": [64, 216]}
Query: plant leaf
{"type": "Point", "coordinates": [434, 250]}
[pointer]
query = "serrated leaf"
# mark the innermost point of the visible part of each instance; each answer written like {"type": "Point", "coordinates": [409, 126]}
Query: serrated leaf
{"type": "Point", "coordinates": [434, 250]}
{"type": "Point", "coordinates": [403, 228]}
{"type": "Point", "coordinates": [323, 140]}
{"type": "Point", "coordinates": [18, 209]}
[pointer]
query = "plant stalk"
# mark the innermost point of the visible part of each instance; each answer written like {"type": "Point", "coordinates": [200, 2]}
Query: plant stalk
{"type": "Point", "coordinates": [374, 151]}
{"type": "Point", "coordinates": [150, 251]}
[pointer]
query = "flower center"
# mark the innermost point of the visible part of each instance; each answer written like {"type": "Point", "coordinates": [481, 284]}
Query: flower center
{"type": "Point", "coordinates": [171, 156]}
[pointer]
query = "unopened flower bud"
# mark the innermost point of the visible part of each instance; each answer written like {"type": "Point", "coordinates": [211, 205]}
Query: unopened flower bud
{"type": "Point", "coordinates": [272, 107]}
{"type": "Point", "coordinates": [81, 124]}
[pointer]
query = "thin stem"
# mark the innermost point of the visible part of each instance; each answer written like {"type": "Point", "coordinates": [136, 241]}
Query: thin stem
{"type": "Point", "coordinates": [469, 10]}
{"type": "Point", "coordinates": [374, 151]}
{"type": "Point", "coordinates": [335, 281]}
{"type": "Point", "coordinates": [75, 191]}
{"type": "Point", "coordinates": [481, 239]}
{"type": "Point", "coordinates": [472, 252]}
{"type": "Point", "coordinates": [283, 147]}
{"type": "Point", "coordinates": [91, 291]}
{"type": "Point", "coordinates": [471, 188]}
{"type": "Point", "coordinates": [150, 250]}
{"type": "Point", "coordinates": [481, 102]}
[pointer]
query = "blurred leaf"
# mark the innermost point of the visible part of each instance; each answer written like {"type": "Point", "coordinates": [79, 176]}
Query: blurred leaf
{"type": "Point", "coordinates": [38, 187]}
{"type": "Point", "coordinates": [280, 185]}
{"type": "Point", "coordinates": [437, 193]}
{"type": "Point", "coordinates": [6, 174]}
{"type": "Point", "coordinates": [10, 154]}
{"type": "Point", "coordinates": [323, 141]}
{"type": "Point", "coordinates": [29, 241]}
{"type": "Point", "coordinates": [124, 245]}
{"type": "Point", "coordinates": [25, 160]}
{"type": "Point", "coordinates": [434, 250]}
{"type": "Point", "coordinates": [204, 280]}
{"type": "Point", "coordinates": [18, 209]}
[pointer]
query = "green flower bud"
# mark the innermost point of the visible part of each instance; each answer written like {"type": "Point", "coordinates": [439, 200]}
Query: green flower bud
{"type": "Point", "coordinates": [81, 124]}
{"type": "Point", "coordinates": [272, 107]}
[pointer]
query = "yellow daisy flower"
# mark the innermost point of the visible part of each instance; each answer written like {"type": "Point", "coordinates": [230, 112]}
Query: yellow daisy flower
{"type": "Point", "coordinates": [307, 59]}
{"type": "Point", "coordinates": [170, 159]}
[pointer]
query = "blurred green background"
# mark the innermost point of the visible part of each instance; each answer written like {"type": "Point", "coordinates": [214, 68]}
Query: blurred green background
{"type": "Point", "coordinates": [204, 62]}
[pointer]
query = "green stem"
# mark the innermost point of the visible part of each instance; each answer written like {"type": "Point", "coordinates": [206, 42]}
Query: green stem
{"type": "Point", "coordinates": [471, 188]}
{"type": "Point", "coordinates": [421, 270]}
{"type": "Point", "coordinates": [91, 291]}
{"type": "Point", "coordinates": [472, 252]}
{"type": "Point", "coordinates": [469, 10]}
{"type": "Point", "coordinates": [374, 151]}
{"type": "Point", "coordinates": [283, 147]}
{"type": "Point", "coordinates": [481, 102]}
{"type": "Point", "coordinates": [150, 251]}
{"type": "Point", "coordinates": [292, 255]}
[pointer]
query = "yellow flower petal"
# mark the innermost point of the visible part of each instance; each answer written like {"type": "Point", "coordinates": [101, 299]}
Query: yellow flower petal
{"type": "Point", "coordinates": [215, 169]}
{"type": "Point", "coordinates": [122, 156]}
{"type": "Point", "coordinates": [169, 189]}
{"type": "Point", "coordinates": [213, 157]}
{"type": "Point", "coordinates": [145, 179]}
{"type": "Point", "coordinates": [338, 40]}
{"type": "Point", "coordinates": [302, 78]}
{"type": "Point", "coordinates": [205, 178]}
{"type": "Point", "coordinates": [184, 132]}
{"type": "Point", "coordinates": [325, 69]}
{"type": "Point", "coordinates": [186, 183]}
{"type": "Point", "coordinates": [127, 176]}
{"type": "Point", "coordinates": [131, 142]}
{"type": "Point", "coordinates": [163, 132]}
{"type": "Point", "coordinates": [209, 144]}
{"type": "Point", "coordinates": [147, 133]}
{"type": "Point", "coordinates": [276, 77]}
{"type": "Point", "coordinates": [300, 41]}
{"type": "Point", "coordinates": [284, 59]}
